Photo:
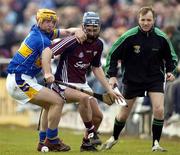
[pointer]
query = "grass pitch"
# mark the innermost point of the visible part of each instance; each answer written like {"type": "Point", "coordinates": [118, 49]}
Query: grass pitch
{"type": "Point", "coordinates": [22, 141]}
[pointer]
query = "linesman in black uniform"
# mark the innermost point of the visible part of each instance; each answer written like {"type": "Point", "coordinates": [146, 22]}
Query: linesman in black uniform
{"type": "Point", "coordinates": [147, 61]}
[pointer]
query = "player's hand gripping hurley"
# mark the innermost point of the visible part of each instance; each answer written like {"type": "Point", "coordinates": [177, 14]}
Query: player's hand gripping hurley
{"type": "Point", "coordinates": [106, 97]}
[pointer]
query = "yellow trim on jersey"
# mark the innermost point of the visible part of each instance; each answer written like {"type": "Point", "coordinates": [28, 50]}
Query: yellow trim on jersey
{"type": "Point", "coordinates": [31, 92]}
{"type": "Point", "coordinates": [24, 50]}
{"type": "Point", "coordinates": [38, 62]}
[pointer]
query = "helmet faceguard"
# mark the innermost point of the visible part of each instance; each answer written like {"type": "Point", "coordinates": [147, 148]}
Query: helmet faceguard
{"type": "Point", "coordinates": [91, 25]}
{"type": "Point", "coordinates": [91, 18]}
{"type": "Point", "coordinates": [46, 14]}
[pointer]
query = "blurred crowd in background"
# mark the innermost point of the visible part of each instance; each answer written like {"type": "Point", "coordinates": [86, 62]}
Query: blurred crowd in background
{"type": "Point", "coordinates": [17, 17]}
{"type": "Point", "coordinates": [117, 16]}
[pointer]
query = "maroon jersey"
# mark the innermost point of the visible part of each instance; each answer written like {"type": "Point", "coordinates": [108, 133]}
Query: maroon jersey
{"type": "Point", "coordinates": [75, 58]}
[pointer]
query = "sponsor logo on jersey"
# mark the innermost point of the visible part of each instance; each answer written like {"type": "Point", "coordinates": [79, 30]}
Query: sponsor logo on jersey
{"type": "Point", "coordinates": [81, 55]}
{"type": "Point", "coordinates": [95, 52]}
{"type": "Point", "coordinates": [88, 51]}
{"type": "Point", "coordinates": [81, 65]}
{"type": "Point", "coordinates": [155, 49]}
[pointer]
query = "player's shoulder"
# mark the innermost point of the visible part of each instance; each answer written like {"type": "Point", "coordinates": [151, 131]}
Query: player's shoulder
{"type": "Point", "coordinates": [35, 34]}
{"type": "Point", "coordinates": [157, 30]}
{"type": "Point", "coordinates": [65, 42]}
{"type": "Point", "coordinates": [33, 39]}
{"type": "Point", "coordinates": [100, 41]}
{"type": "Point", "coordinates": [130, 32]}
{"type": "Point", "coordinates": [69, 38]}
{"type": "Point", "coordinates": [160, 33]}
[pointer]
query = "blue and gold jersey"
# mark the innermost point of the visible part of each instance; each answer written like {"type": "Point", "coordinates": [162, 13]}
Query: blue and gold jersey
{"type": "Point", "coordinates": [27, 59]}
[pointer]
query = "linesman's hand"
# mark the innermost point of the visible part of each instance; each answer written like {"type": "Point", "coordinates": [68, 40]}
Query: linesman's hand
{"type": "Point", "coordinates": [170, 77]}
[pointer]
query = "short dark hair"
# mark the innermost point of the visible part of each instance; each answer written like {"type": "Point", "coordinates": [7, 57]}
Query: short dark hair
{"type": "Point", "coordinates": [144, 10]}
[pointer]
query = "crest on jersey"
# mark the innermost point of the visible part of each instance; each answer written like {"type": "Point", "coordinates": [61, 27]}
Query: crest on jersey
{"type": "Point", "coordinates": [88, 51]}
{"type": "Point", "coordinates": [136, 48]}
{"type": "Point", "coordinates": [95, 52]}
{"type": "Point", "coordinates": [81, 55]}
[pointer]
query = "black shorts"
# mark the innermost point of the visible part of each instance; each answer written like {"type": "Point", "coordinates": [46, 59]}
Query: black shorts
{"type": "Point", "coordinates": [132, 90]}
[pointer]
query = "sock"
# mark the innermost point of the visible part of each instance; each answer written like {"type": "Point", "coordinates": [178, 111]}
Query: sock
{"type": "Point", "coordinates": [42, 136]}
{"type": "Point", "coordinates": [118, 126]}
{"type": "Point", "coordinates": [90, 128]}
{"type": "Point", "coordinates": [85, 140]}
{"type": "Point", "coordinates": [157, 129]}
{"type": "Point", "coordinates": [52, 135]}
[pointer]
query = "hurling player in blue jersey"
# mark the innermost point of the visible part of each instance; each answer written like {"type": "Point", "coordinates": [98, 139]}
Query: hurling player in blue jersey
{"type": "Point", "coordinates": [26, 64]}
{"type": "Point", "coordinates": [75, 59]}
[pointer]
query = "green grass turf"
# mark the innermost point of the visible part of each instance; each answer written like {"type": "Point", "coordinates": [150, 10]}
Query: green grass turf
{"type": "Point", "coordinates": [22, 141]}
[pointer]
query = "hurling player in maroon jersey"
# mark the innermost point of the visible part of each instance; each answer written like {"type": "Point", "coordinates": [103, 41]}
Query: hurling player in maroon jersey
{"type": "Point", "coordinates": [75, 59]}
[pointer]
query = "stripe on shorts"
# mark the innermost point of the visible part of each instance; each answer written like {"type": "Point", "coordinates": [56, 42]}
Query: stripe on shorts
{"type": "Point", "coordinates": [25, 87]}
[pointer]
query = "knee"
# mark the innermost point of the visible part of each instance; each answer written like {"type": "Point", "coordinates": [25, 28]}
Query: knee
{"type": "Point", "coordinates": [158, 112]}
{"type": "Point", "coordinates": [84, 101]}
{"type": "Point", "coordinates": [122, 116]}
{"type": "Point", "coordinates": [57, 102]}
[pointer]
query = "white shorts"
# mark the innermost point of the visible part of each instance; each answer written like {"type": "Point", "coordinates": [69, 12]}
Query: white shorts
{"type": "Point", "coordinates": [84, 86]}
{"type": "Point", "coordinates": [22, 87]}
{"type": "Point", "coordinates": [60, 89]}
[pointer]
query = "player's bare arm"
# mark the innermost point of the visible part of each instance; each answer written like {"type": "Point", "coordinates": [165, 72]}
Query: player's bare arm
{"type": "Point", "coordinates": [79, 34]}
{"type": "Point", "coordinates": [99, 73]}
{"type": "Point", "coordinates": [170, 77]}
{"type": "Point", "coordinates": [46, 65]}
{"type": "Point", "coordinates": [113, 81]}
